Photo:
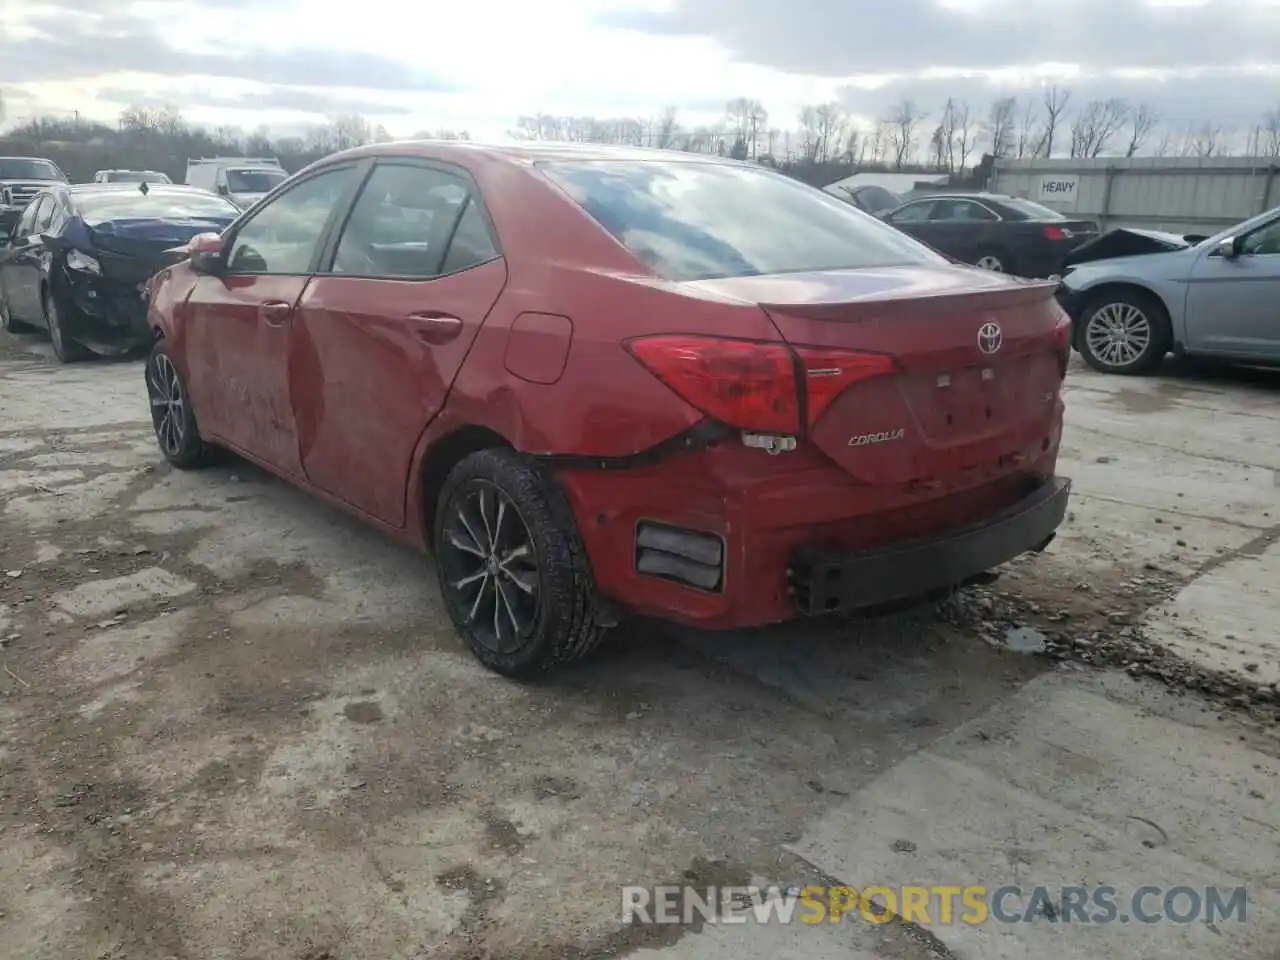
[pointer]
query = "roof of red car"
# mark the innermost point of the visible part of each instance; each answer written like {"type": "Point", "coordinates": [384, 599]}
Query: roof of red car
{"type": "Point", "coordinates": [529, 151]}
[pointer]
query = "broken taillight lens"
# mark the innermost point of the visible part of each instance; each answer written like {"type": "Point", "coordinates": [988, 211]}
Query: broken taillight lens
{"type": "Point", "coordinates": [755, 386]}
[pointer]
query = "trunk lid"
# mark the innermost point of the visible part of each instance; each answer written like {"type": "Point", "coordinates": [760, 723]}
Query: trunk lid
{"type": "Point", "coordinates": [978, 376]}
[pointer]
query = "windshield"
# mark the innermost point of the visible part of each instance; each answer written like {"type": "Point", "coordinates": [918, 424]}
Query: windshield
{"type": "Point", "coordinates": [253, 181]}
{"type": "Point", "coordinates": [24, 168]}
{"type": "Point", "coordinates": [1031, 210]}
{"type": "Point", "coordinates": [695, 221]}
{"type": "Point", "coordinates": [98, 208]}
{"type": "Point", "coordinates": [136, 176]}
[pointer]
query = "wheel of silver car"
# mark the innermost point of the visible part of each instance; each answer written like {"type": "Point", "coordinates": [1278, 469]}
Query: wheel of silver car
{"type": "Point", "coordinates": [171, 414]}
{"type": "Point", "coordinates": [991, 262]}
{"type": "Point", "coordinates": [512, 569]}
{"type": "Point", "coordinates": [1124, 332]}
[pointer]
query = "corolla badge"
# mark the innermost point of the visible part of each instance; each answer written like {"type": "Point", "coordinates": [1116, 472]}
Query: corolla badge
{"type": "Point", "coordinates": [990, 337]}
{"type": "Point", "coordinates": [867, 439]}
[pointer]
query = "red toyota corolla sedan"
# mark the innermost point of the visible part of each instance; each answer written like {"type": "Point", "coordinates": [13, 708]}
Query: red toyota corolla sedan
{"type": "Point", "coordinates": [598, 381]}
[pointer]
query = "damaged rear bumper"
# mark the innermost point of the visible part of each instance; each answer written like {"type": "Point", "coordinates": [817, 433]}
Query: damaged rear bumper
{"type": "Point", "coordinates": [823, 581]}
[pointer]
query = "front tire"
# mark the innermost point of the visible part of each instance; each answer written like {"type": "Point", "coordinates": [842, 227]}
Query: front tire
{"type": "Point", "coordinates": [512, 568]}
{"type": "Point", "coordinates": [993, 260]}
{"type": "Point", "coordinates": [9, 324]}
{"type": "Point", "coordinates": [1124, 332]}
{"type": "Point", "coordinates": [64, 348]}
{"type": "Point", "coordinates": [172, 415]}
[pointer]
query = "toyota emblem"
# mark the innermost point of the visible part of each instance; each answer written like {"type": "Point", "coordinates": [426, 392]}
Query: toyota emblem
{"type": "Point", "coordinates": [990, 337]}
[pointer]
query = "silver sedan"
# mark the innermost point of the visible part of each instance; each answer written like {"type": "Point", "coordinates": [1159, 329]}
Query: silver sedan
{"type": "Point", "coordinates": [1217, 298]}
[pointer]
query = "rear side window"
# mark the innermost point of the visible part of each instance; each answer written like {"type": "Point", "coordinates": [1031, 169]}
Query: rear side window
{"type": "Point", "coordinates": [413, 222]}
{"type": "Point", "coordinates": [695, 221]}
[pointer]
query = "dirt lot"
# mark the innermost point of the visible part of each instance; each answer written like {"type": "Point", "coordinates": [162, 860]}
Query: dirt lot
{"type": "Point", "coordinates": [236, 724]}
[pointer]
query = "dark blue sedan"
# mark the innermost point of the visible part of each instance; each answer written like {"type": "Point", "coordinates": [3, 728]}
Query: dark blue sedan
{"type": "Point", "coordinates": [78, 260]}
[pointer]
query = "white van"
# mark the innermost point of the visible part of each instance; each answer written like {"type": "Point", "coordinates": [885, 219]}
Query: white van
{"type": "Point", "coordinates": [242, 180]}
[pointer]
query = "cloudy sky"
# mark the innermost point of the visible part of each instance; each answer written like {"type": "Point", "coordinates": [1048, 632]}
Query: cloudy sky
{"type": "Point", "coordinates": [426, 64]}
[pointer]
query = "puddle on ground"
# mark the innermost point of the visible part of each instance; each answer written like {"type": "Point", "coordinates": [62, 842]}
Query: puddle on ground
{"type": "Point", "coordinates": [1025, 640]}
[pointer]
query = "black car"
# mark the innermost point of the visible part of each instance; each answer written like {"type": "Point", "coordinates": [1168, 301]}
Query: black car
{"type": "Point", "coordinates": [78, 260]}
{"type": "Point", "coordinates": [996, 232]}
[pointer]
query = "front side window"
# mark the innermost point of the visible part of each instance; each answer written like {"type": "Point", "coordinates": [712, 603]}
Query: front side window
{"type": "Point", "coordinates": [693, 220]}
{"type": "Point", "coordinates": [965, 210]}
{"type": "Point", "coordinates": [1265, 240]}
{"type": "Point", "coordinates": [285, 234]}
{"type": "Point", "coordinates": [404, 221]}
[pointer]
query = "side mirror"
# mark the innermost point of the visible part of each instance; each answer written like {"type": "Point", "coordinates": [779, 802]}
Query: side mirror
{"type": "Point", "coordinates": [204, 252]}
{"type": "Point", "coordinates": [1227, 248]}
{"type": "Point", "coordinates": [223, 190]}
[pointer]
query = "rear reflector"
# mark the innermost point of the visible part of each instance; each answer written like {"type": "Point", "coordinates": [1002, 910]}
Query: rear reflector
{"type": "Point", "coordinates": [691, 557]}
{"type": "Point", "coordinates": [761, 387]}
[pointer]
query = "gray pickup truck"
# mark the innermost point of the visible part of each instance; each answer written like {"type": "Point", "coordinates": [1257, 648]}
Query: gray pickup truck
{"type": "Point", "coordinates": [21, 178]}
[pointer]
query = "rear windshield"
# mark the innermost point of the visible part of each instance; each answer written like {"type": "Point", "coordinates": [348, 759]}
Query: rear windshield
{"type": "Point", "coordinates": [22, 168]}
{"type": "Point", "coordinates": [695, 221]}
{"type": "Point", "coordinates": [254, 181]}
{"type": "Point", "coordinates": [1031, 210]}
{"type": "Point", "coordinates": [136, 176]}
{"type": "Point", "coordinates": [96, 208]}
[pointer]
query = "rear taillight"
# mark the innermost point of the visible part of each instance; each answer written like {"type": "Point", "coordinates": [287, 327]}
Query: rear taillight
{"type": "Point", "coordinates": [755, 386]}
{"type": "Point", "coordinates": [828, 372]}
{"type": "Point", "coordinates": [1055, 233]}
{"type": "Point", "coordinates": [1062, 344]}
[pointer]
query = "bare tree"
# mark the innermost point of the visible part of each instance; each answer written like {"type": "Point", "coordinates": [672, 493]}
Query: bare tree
{"type": "Point", "coordinates": [1095, 125]}
{"type": "Point", "coordinates": [943, 140]}
{"type": "Point", "coordinates": [810, 134]}
{"type": "Point", "coordinates": [746, 117]}
{"type": "Point", "coordinates": [1055, 104]}
{"type": "Point", "coordinates": [1026, 125]}
{"type": "Point", "coordinates": [1142, 120]}
{"type": "Point", "coordinates": [1269, 141]}
{"type": "Point", "coordinates": [904, 122]}
{"type": "Point", "coordinates": [667, 127]}
{"type": "Point", "coordinates": [831, 121]}
{"type": "Point", "coordinates": [999, 128]}
{"type": "Point", "coordinates": [169, 122]}
{"type": "Point", "coordinates": [962, 136]}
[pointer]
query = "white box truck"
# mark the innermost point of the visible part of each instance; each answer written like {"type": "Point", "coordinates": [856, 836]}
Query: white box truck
{"type": "Point", "coordinates": [242, 180]}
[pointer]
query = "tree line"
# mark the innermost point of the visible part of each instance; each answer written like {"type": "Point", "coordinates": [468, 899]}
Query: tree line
{"type": "Point", "coordinates": [822, 140]}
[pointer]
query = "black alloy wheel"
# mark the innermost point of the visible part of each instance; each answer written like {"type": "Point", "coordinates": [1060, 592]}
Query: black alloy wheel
{"type": "Point", "coordinates": [171, 414]}
{"type": "Point", "coordinates": [512, 570]}
{"type": "Point", "coordinates": [64, 348]}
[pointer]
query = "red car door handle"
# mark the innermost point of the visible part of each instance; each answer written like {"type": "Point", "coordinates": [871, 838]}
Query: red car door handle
{"type": "Point", "coordinates": [274, 312]}
{"type": "Point", "coordinates": [435, 328]}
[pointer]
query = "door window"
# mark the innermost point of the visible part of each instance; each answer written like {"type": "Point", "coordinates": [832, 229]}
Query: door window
{"type": "Point", "coordinates": [962, 210]}
{"type": "Point", "coordinates": [1264, 240]}
{"type": "Point", "coordinates": [406, 217]}
{"type": "Point", "coordinates": [27, 225]}
{"type": "Point", "coordinates": [284, 236]}
{"type": "Point", "coordinates": [913, 213]}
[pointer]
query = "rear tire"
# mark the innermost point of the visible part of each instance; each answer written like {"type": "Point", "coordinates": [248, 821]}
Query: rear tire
{"type": "Point", "coordinates": [1125, 332]}
{"type": "Point", "coordinates": [512, 569]}
{"type": "Point", "coordinates": [64, 348]}
{"type": "Point", "coordinates": [172, 415]}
